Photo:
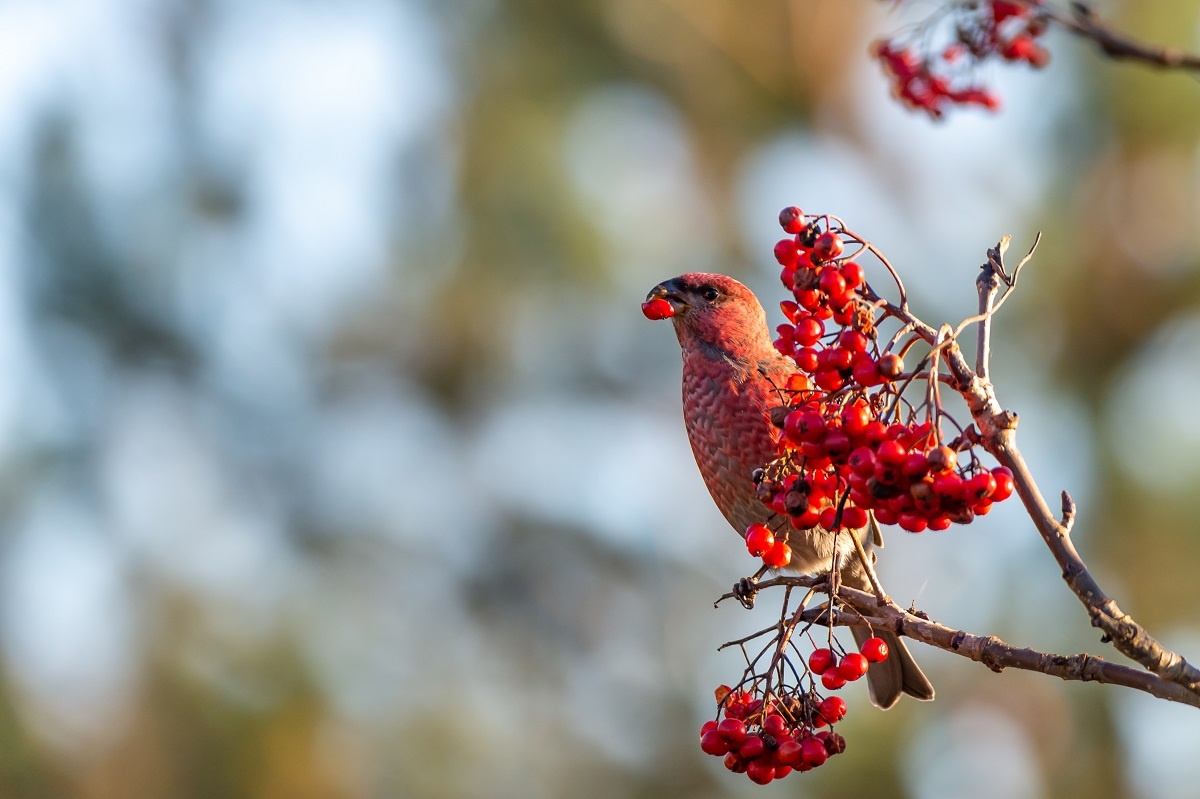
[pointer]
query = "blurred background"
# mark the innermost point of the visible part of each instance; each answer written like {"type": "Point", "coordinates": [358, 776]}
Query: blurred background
{"type": "Point", "coordinates": [338, 460]}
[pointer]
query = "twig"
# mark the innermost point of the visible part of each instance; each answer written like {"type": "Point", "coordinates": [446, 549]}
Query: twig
{"type": "Point", "coordinates": [1083, 22]}
{"type": "Point", "coordinates": [880, 596]}
{"type": "Point", "coordinates": [988, 285]}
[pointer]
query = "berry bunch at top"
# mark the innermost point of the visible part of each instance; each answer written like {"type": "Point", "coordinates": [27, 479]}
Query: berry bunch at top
{"type": "Point", "coordinates": [930, 79]}
{"type": "Point", "coordinates": [850, 442]}
{"type": "Point", "coordinates": [767, 733]}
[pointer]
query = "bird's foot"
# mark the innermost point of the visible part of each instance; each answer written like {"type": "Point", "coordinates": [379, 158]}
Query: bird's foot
{"type": "Point", "coordinates": [744, 591]}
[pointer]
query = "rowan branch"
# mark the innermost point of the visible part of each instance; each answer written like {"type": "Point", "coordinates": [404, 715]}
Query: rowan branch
{"type": "Point", "coordinates": [997, 434]}
{"type": "Point", "coordinates": [989, 650]}
{"type": "Point", "coordinates": [1083, 21]}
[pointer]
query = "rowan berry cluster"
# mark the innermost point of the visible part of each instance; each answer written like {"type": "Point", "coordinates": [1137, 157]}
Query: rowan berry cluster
{"type": "Point", "coordinates": [930, 81]}
{"type": "Point", "coordinates": [844, 449]}
{"type": "Point", "coordinates": [767, 735]}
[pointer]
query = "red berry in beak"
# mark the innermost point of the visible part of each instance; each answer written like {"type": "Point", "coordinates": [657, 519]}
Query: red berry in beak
{"type": "Point", "coordinates": [657, 308]}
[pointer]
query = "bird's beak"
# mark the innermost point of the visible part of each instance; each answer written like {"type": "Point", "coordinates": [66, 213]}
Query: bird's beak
{"type": "Point", "coordinates": [671, 291]}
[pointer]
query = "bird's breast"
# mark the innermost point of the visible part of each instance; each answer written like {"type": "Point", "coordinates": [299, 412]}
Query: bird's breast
{"type": "Point", "coordinates": [727, 414]}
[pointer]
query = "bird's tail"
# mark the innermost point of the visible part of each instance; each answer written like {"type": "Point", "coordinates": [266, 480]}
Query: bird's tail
{"type": "Point", "coordinates": [897, 675]}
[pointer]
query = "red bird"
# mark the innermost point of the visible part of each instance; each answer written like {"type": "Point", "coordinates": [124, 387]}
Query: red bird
{"type": "Point", "coordinates": [730, 374]}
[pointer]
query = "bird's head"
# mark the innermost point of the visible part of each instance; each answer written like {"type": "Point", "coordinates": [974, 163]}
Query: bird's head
{"type": "Point", "coordinates": [713, 310]}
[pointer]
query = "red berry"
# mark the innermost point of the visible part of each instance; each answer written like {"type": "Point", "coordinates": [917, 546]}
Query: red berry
{"type": "Point", "coordinates": [806, 359]}
{"type": "Point", "coordinates": [813, 752]}
{"type": "Point", "coordinates": [891, 453]}
{"type": "Point", "coordinates": [832, 282]}
{"type": "Point", "coordinates": [853, 340]}
{"type": "Point", "coordinates": [732, 731]}
{"type": "Point", "coordinates": [809, 299]}
{"type": "Point", "coordinates": [791, 219]}
{"type": "Point", "coordinates": [827, 247]}
{"type": "Point", "coordinates": [808, 331]}
{"type": "Point", "coordinates": [657, 308]}
{"type": "Point", "coordinates": [876, 433]}
{"type": "Point", "coordinates": [786, 253]}
{"type": "Point", "coordinates": [874, 650]}
{"type": "Point", "coordinates": [862, 462]}
{"type": "Point", "coordinates": [775, 725]}
{"type": "Point", "coordinates": [778, 556]}
{"type": "Point", "coordinates": [735, 763]}
{"type": "Point", "coordinates": [912, 522]}
{"type": "Point", "coordinates": [866, 372]}
{"type": "Point", "coordinates": [829, 380]}
{"type": "Point", "coordinates": [853, 666]}
{"type": "Point", "coordinates": [981, 486]}
{"type": "Point", "coordinates": [759, 539]}
{"type": "Point", "coordinates": [760, 772]}
{"type": "Point", "coordinates": [708, 726]}
{"type": "Point", "coordinates": [833, 679]}
{"type": "Point", "coordinates": [821, 660]}
{"type": "Point", "coordinates": [939, 523]}
{"type": "Point", "coordinates": [832, 709]}
{"type": "Point", "coordinates": [837, 359]}
{"type": "Point", "coordinates": [808, 519]}
{"type": "Point", "coordinates": [1004, 484]}
{"type": "Point", "coordinates": [949, 486]}
{"type": "Point", "coordinates": [891, 366]}
{"type": "Point", "coordinates": [942, 459]}
{"type": "Point", "coordinates": [854, 518]}
{"type": "Point", "coordinates": [915, 465]}
{"type": "Point", "coordinates": [798, 382]}
{"type": "Point", "coordinates": [782, 771]}
{"type": "Point", "coordinates": [752, 747]}
{"type": "Point", "coordinates": [852, 272]}
{"type": "Point", "coordinates": [711, 743]}
{"type": "Point", "coordinates": [886, 474]}
{"type": "Point", "coordinates": [789, 753]}
{"type": "Point", "coordinates": [837, 445]}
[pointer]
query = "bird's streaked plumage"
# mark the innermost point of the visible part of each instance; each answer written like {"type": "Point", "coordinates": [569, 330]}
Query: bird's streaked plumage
{"type": "Point", "coordinates": [731, 375]}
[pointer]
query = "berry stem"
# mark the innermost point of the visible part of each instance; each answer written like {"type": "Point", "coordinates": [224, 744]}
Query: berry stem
{"type": "Point", "coordinates": [880, 596]}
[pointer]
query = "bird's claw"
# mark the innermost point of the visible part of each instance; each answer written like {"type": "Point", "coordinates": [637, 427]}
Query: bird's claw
{"type": "Point", "coordinates": [744, 590]}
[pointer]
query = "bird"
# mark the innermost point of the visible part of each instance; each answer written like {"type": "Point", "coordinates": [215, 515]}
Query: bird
{"type": "Point", "coordinates": [731, 375]}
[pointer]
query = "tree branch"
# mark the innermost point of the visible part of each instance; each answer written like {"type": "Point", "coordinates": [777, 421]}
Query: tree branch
{"type": "Point", "coordinates": [1083, 22]}
{"type": "Point", "coordinates": [997, 429]}
{"type": "Point", "coordinates": [986, 649]}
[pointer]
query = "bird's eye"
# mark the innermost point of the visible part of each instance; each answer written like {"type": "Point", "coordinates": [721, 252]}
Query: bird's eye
{"type": "Point", "coordinates": [711, 293]}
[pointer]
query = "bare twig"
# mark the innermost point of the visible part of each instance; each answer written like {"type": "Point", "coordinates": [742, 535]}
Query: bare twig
{"type": "Point", "coordinates": [988, 284]}
{"type": "Point", "coordinates": [992, 274]}
{"type": "Point", "coordinates": [863, 559]}
{"type": "Point", "coordinates": [1083, 22]}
